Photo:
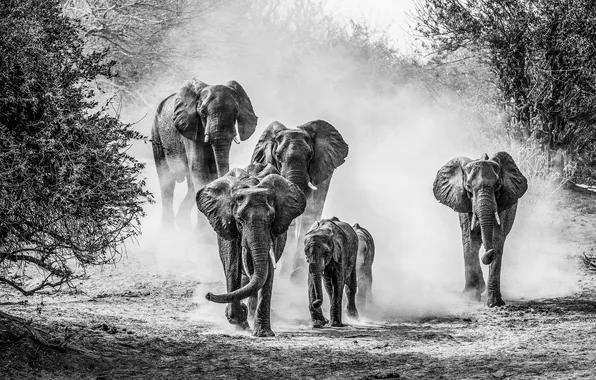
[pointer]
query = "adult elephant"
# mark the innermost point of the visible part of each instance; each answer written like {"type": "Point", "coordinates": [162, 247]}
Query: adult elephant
{"type": "Point", "coordinates": [485, 193]}
{"type": "Point", "coordinates": [192, 135]}
{"type": "Point", "coordinates": [307, 156]}
{"type": "Point", "coordinates": [251, 211]}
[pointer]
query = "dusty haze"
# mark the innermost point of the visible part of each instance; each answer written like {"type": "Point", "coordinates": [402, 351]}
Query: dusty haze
{"type": "Point", "coordinates": [398, 140]}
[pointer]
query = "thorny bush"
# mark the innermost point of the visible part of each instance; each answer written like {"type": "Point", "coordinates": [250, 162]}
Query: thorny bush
{"type": "Point", "coordinates": [69, 193]}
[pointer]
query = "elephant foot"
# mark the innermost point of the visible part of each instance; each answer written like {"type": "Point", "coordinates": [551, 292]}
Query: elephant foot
{"type": "Point", "coordinates": [242, 326]}
{"type": "Point", "coordinates": [337, 324]}
{"type": "Point", "coordinates": [471, 294]}
{"type": "Point", "coordinates": [238, 315]}
{"type": "Point", "coordinates": [352, 312]}
{"type": "Point", "coordinates": [263, 331]}
{"type": "Point", "coordinates": [494, 300]}
{"type": "Point", "coordinates": [319, 323]}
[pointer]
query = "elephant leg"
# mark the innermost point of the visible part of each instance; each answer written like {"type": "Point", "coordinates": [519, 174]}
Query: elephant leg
{"type": "Point", "coordinates": [263, 314]}
{"type": "Point", "coordinates": [296, 249]}
{"type": "Point", "coordinates": [166, 184]}
{"type": "Point", "coordinates": [351, 288]}
{"type": "Point", "coordinates": [252, 300]}
{"type": "Point", "coordinates": [200, 173]}
{"type": "Point", "coordinates": [183, 216]}
{"type": "Point", "coordinates": [316, 313]}
{"type": "Point", "coordinates": [493, 296]}
{"type": "Point", "coordinates": [288, 252]}
{"type": "Point", "coordinates": [315, 201]}
{"type": "Point", "coordinates": [303, 224]}
{"type": "Point", "coordinates": [364, 292]}
{"type": "Point", "coordinates": [472, 241]}
{"type": "Point", "coordinates": [337, 284]}
{"type": "Point", "coordinates": [230, 255]}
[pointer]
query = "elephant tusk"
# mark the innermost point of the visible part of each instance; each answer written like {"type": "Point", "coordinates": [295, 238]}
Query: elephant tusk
{"type": "Point", "coordinates": [473, 224]}
{"type": "Point", "coordinates": [206, 138]}
{"type": "Point", "coordinates": [272, 255]}
{"type": "Point", "coordinates": [313, 187]}
{"type": "Point", "coordinates": [237, 139]}
{"type": "Point", "coordinates": [497, 218]}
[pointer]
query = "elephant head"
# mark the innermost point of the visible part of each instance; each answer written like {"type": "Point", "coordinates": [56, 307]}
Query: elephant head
{"type": "Point", "coordinates": [321, 249]}
{"type": "Point", "coordinates": [483, 187]}
{"type": "Point", "coordinates": [254, 207]}
{"type": "Point", "coordinates": [306, 155]}
{"type": "Point", "coordinates": [210, 114]}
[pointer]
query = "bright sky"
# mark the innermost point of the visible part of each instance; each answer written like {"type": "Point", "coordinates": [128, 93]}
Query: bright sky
{"type": "Point", "coordinates": [387, 15]}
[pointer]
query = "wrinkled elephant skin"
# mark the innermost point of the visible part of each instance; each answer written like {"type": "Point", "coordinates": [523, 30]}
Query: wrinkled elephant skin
{"type": "Point", "coordinates": [331, 248]}
{"type": "Point", "coordinates": [307, 156]}
{"type": "Point", "coordinates": [191, 136]}
{"type": "Point", "coordinates": [250, 210]}
{"type": "Point", "coordinates": [485, 193]}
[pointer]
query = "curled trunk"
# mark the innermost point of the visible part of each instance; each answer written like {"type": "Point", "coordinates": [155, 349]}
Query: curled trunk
{"type": "Point", "coordinates": [486, 218]}
{"type": "Point", "coordinates": [317, 279]}
{"type": "Point", "coordinates": [259, 250]}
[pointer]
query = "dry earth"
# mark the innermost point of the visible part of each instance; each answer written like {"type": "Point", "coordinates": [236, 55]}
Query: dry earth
{"type": "Point", "coordinates": [131, 322]}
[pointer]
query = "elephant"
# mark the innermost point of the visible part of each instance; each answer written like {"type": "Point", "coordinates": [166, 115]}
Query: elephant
{"type": "Point", "coordinates": [307, 156]}
{"type": "Point", "coordinates": [331, 247]}
{"type": "Point", "coordinates": [485, 193]}
{"type": "Point", "coordinates": [191, 137]}
{"type": "Point", "coordinates": [364, 261]}
{"type": "Point", "coordinates": [250, 210]}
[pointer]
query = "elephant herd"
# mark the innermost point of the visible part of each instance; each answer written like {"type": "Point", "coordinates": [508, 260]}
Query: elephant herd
{"type": "Point", "coordinates": [275, 204]}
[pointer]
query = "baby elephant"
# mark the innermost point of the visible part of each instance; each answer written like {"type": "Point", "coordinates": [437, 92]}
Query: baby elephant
{"type": "Point", "coordinates": [331, 247]}
{"type": "Point", "coordinates": [364, 261]}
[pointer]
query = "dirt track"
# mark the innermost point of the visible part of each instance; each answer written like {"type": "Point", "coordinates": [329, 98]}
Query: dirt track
{"type": "Point", "coordinates": [141, 325]}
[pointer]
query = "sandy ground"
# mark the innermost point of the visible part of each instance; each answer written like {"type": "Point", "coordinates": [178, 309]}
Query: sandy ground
{"type": "Point", "coordinates": [146, 319]}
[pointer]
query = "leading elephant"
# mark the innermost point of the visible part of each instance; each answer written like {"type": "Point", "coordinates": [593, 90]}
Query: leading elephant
{"type": "Point", "coordinates": [485, 193]}
{"type": "Point", "coordinates": [307, 156]}
{"type": "Point", "coordinates": [251, 211]}
{"type": "Point", "coordinates": [192, 135]}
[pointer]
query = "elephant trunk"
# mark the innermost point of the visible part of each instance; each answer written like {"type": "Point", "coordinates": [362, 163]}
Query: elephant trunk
{"type": "Point", "coordinates": [315, 271]}
{"type": "Point", "coordinates": [258, 244]}
{"type": "Point", "coordinates": [221, 149]}
{"type": "Point", "coordinates": [486, 218]}
{"type": "Point", "coordinates": [298, 177]}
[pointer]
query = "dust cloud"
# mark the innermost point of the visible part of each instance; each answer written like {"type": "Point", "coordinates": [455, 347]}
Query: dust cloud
{"type": "Point", "coordinates": [398, 137]}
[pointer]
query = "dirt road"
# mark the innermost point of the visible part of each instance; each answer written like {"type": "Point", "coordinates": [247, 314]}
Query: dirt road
{"type": "Point", "coordinates": [131, 322]}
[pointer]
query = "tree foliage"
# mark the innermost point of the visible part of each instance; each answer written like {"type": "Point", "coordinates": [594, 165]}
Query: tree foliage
{"type": "Point", "coordinates": [69, 192]}
{"type": "Point", "coordinates": [541, 54]}
{"type": "Point", "coordinates": [136, 33]}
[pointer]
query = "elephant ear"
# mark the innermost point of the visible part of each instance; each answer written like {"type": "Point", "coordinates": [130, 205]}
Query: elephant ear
{"type": "Point", "coordinates": [186, 119]}
{"type": "Point", "coordinates": [449, 185]}
{"type": "Point", "coordinates": [215, 201]}
{"type": "Point", "coordinates": [263, 153]}
{"type": "Point", "coordinates": [247, 120]}
{"type": "Point", "coordinates": [290, 202]}
{"type": "Point", "coordinates": [514, 184]}
{"type": "Point", "coordinates": [330, 150]}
